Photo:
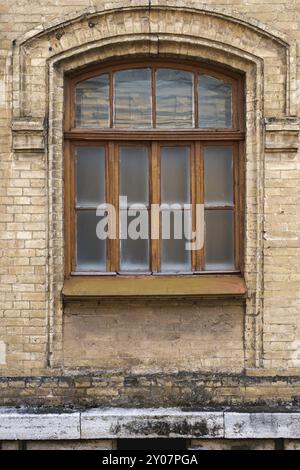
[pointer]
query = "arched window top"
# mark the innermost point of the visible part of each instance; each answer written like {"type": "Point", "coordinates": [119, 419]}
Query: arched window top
{"type": "Point", "coordinates": [155, 95]}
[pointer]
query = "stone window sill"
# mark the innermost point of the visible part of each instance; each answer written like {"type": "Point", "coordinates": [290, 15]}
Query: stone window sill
{"type": "Point", "coordinates": [189, 286]}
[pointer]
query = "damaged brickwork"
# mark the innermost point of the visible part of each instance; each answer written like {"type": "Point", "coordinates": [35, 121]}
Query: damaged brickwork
{"type": "Point", "coordinates": [183, 389]}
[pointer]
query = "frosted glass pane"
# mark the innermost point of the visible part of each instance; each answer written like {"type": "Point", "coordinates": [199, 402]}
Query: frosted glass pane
{"type": "Point", "coordinates": [133, 98]}
{"type": "Point", "coordinates": [92, 102]}
{"type": "Point", "coordinates": [174, 98]}
{"type": "Point", "coordinates": [175, 174]}
{"type": "Point", "coordinates": [218, 172]}
{"type": "Point", "coordinates": [134, 174]}
{"type": "Point", "coordinates": [134, 253]}
{"type": "Point", "coordinates": [219, 240]}
{"type": "Point", "coordinates": [90, 176]}
{"type": "Point", "coordinates": [214, 102]}
{"type": "Point", "coordinates": [174, 256]}
{"type": "Point", "coordinates": [91, 252]}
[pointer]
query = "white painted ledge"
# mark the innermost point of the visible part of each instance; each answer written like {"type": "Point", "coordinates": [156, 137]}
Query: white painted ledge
{"type": "Point", "coordinates": [113, 423]}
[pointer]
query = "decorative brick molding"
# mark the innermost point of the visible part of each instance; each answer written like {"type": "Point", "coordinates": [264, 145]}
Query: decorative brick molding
{"type": "Point", "coordinates": [42, 44]}
{"type": "Point", "coordinates": [281, 134]}
{"type": "Point", "coordinates": [29, 135]}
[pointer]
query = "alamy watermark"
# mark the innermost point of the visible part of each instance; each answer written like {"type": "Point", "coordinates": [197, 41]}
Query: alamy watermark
{"type": "Point", "coordinates": [157, 221]}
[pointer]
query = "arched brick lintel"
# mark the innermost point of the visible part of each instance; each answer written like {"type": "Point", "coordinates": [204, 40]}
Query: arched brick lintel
{"type": "Point", "coordinates": [177, 20]}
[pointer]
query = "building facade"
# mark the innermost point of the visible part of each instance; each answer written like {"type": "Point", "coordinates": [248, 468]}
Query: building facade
{"type": "Point", "coordinates": [213, 356]}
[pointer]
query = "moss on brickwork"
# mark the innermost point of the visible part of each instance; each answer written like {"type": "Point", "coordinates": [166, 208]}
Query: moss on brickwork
{"type": "Point", "coordinates": [193, 391]}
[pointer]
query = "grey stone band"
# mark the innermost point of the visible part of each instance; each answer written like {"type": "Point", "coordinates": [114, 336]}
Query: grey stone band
{"type": "Point", "coordinates": [108, 423]}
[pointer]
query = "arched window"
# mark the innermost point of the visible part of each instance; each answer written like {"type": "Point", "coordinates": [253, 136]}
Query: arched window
{"type": "Point", "coordinates": [150, 135]}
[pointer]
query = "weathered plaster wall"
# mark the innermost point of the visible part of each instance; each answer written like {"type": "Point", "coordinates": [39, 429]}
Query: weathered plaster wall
{"type": "Point", "coordinates": [165, 336]}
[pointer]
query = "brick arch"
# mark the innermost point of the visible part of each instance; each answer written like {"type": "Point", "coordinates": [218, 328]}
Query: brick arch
{"type": "Point", "coordinates": [178, 20]}
{"type": "Point", "coordinates": [178, 29]}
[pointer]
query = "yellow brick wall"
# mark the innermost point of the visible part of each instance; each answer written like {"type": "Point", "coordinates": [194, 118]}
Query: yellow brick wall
{"type": "Point", "coordinates": [38, 336]}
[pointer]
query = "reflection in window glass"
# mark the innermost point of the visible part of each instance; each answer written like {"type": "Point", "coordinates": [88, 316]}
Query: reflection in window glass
{"type": "Point", "coordinates": [91, 252]}
{"type": "Point", "coordinates": [219, 251]}
{"type": "Point", "coordinates": [175, 174]}
{"type": "Point", "coordinates": [174, 98]}
{"type": "Point", "coordinates": [214, 102]}
{"type": "Point", "coordinates": [134, 168]}
{"type": "Point", "coordinates": [135, 252]}
{"type": "Point", "coordinates": [92, 102]}
{"type": "Point", "coordinates": [175, 189]}
{"type": "Point", "coordinates": [218, 176]}
{"type": "Point", "coordinates": [174, 256]}
{"type": "Point", "coordinates": [90, 176]}
{"type": "Point", "coordinates": [134, 183]}
{"type": "Point", "coordinates": [132, 98]}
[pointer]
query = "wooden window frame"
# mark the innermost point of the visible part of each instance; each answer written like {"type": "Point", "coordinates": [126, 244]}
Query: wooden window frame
{"type": "Point", "coordinates": [197, 138]}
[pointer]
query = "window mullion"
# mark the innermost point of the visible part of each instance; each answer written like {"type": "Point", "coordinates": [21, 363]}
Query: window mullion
{"type": "Point", "coordinates": [153, 76]}
{"type": "Point", "coordinates": [193, 189]}
{"type": "Point", "coordinates": [112, 199]}
{"type": "Point", "coordinates": [111, 100]}
{"type": "Point", "coordinates": [196, 113]}
{"type": "Point", "coordinates": [237, 217]}
{"type": "Point", "coordinates": [199, 197]}
{"type": "Point", "coordinates": [108, 201]}
{"type": "Point", "coordinates": [155, 199]}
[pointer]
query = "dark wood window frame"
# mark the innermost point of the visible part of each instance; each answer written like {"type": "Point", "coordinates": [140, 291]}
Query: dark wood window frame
{"type": "Point", "coordinates": [197, 138]}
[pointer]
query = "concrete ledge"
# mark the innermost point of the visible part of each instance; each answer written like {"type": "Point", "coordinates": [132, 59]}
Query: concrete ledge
{"type": "Point", "coordinates": [113, 423]}
{"type": "Point", "coordinates": [120, 423]}
{"type": "Point", "coordinates": [261, 425]}
{"type": "Point", "coordinates": [37, 426]}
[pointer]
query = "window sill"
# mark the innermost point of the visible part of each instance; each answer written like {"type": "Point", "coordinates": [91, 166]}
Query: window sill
{"type": "Point", "coordinates": [152, 286]}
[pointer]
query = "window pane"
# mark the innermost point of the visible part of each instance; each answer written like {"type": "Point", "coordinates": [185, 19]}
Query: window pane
{"type": "Point", "coordinates": [174, 256]}
{"type": "Point", "coordinates": [92, 102]}
{"type": "Point", "coordinates": [134, 174]}
{"type": "Point", "coordinates": [175, 174]}
{"type": "Point", "coordinates": [214, 102]}
{"type": "Point", "coordinates": [91, 252]}
{"type": "Point", "coordinates": [133, 98]}
{"type": "Point", "coordinates": [218, 173]}
{"type": "Point", "coordinates": [135, 252]}
{"type": "Point", "coordinates": [219, 241]}
{"type": "Point", "coordinates": [90, 175]}
{"type": "Point", "coordinates": [174, 98]}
